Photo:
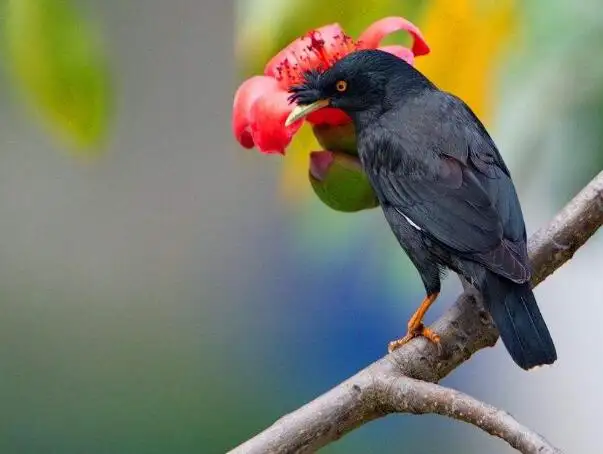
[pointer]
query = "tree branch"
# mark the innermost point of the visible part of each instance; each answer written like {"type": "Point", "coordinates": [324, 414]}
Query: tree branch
{"type": "Point", "coordinates": [384, 387]}
{"type": "Point", "coordinates": [420, 397]}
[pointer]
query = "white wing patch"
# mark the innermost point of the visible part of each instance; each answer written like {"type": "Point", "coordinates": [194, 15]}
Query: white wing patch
{"type": "Point", "coordinates": [409, 220]}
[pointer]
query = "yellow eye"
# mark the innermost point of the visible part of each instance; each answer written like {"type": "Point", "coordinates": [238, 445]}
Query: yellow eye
{"type": "Point", "coordinates": [341, 85]}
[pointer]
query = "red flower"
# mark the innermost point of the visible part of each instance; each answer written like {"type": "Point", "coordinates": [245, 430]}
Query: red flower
{"type": "Point", "coordinates": [261, 105]}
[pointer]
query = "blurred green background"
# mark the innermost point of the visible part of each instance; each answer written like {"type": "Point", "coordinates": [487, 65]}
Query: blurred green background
{"type": "Point", "coordinates": [164, 290]}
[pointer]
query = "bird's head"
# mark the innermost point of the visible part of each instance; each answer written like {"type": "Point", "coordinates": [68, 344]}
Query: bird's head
{"type": "Point", "coordinates": [361, 81]}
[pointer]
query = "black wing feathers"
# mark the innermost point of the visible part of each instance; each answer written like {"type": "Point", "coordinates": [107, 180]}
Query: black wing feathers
{"type": "Point", "coordinates": [473, 225]}
{"type": "Point", "coordinates": [451, 182]}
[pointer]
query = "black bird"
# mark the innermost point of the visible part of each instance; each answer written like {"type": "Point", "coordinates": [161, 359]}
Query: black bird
{"type": "Point", "coordinates": [443, 187]}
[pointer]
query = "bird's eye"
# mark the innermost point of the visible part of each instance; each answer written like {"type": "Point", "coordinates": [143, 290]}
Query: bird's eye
{"type": "Point", "coordinates": [341, 85]}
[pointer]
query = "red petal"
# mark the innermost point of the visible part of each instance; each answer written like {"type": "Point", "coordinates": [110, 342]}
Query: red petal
{"type": "Point", "coordinates": [331, 34]}
{"type": "Point", "coordinates": [328, 116]}
{"type": "Point", "coordinates": [297, 47]}
{"type": "Point", "coordinates": [400, 51]}
{"type": "Point", "coordinates": [245, 97]}
{"type": "Point", "coordinates": [268, 115]}
{"type": "Point", "coordinates": [372, 36]}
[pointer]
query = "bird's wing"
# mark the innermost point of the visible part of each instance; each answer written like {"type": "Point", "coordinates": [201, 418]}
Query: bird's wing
{"type": "Point", "coordinates": [458, 193]}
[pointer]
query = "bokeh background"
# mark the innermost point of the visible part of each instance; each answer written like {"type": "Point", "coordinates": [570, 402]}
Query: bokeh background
{"type": "Point", "coordinates": [164, 290]}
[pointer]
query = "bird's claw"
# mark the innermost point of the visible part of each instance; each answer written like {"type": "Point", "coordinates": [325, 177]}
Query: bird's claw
{"type": "Point", "coordinates": [418, 330]}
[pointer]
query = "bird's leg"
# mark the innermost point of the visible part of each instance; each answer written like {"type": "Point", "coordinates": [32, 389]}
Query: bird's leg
{"type": "Point", "coordinates": [416, 327]}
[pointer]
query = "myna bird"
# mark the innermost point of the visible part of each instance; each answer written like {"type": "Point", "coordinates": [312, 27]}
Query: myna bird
{"type": "Point", "coordinates": [444, 189]}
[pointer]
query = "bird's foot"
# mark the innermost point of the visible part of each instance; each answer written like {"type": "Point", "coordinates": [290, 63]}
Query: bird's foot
{"type": "Point", "coordinates": [415, 331]}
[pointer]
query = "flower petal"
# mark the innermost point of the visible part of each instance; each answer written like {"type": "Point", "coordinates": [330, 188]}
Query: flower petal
{"type": "Point", "coordinates": [400, 51]}
{"type": "Point", "coordinates": [335, 40]}
{"type": "Point", "coordinates": [268, 115]}
{"type": "Point", "coordinates": [372, 36]}
{"type": "Point", "coordinates": [290, 53]}
{"type": "Point", "coordinates": [245, 97]}
{"type": "Point", "coordinates": [306, 52]}
{"type": "Point", "coordinates": [329, 116]}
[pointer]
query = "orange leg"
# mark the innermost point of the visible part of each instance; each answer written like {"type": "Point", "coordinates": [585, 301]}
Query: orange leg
{"type": "Point", "coordinates": [416, 327]}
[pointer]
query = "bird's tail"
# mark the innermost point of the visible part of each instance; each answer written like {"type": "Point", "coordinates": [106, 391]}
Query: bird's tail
{"type": "Point", "coordinates": [519, 321]}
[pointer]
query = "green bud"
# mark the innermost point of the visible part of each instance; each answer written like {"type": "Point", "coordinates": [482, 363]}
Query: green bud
{"type": "Point", "coordinates": [340, 138]}
{"type": "Point", "coordinates": [339, 181]}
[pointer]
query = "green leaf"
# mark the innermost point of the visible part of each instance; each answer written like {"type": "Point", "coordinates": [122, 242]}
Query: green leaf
{"type": "Point", "coordinates": [58, 62]}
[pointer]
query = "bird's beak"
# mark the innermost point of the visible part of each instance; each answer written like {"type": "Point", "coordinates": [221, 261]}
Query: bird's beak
{"type": "Point", "coordinates": [300, 112]}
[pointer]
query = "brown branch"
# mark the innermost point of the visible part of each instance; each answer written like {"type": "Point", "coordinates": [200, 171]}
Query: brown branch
{"type": "Point", "coordinates": [419, 397]}
{"type": "Point", "coordinates": [466, 328]}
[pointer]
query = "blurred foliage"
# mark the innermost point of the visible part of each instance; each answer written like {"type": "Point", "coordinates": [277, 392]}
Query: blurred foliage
{"type": "Point", "coordinates": [469, 40]}
{"type": "Point", "coordinates": [57, 60]}
{"type": "Point", "coordinates": [552, 98]}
